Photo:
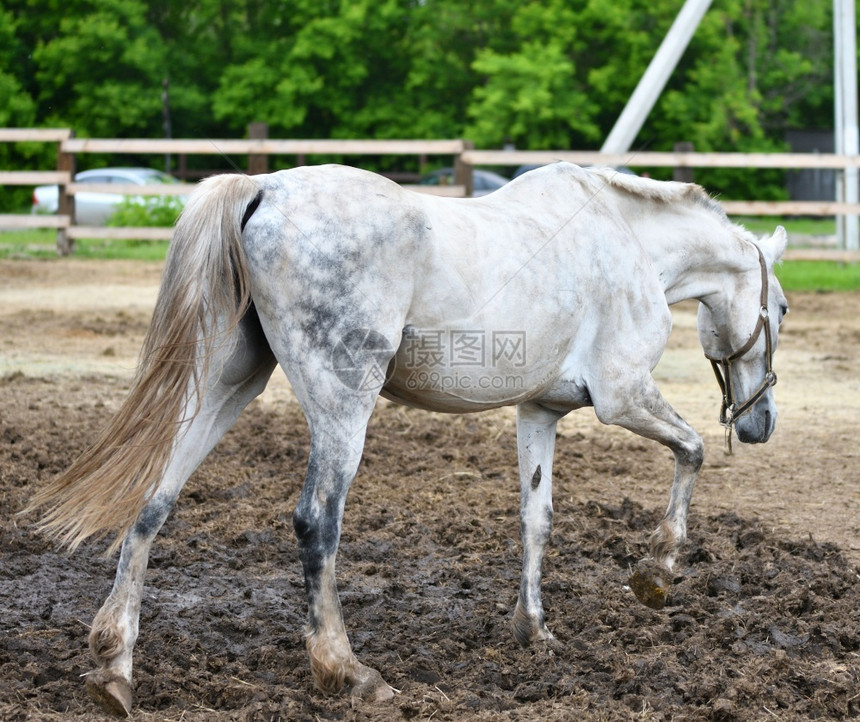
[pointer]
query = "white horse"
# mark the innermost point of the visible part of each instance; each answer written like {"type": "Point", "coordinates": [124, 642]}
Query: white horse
{"type": "Point", "coordinates": [551, 294]}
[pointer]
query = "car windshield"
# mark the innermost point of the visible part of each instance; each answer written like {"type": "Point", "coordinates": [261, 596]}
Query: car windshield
{"type": "Point", "coordinates": [95, 179]}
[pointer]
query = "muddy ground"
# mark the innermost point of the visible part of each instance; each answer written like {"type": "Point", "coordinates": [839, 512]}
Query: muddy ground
{"type": "Point", "coordinates": [765, 623]}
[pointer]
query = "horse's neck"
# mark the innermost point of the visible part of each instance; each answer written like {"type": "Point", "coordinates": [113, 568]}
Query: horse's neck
{"type": "Point", "coordinates": [694, 253]}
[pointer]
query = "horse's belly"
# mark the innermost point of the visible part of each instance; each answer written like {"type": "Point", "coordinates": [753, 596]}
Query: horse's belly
{"type": "Point", "coordinates": [473, 366]}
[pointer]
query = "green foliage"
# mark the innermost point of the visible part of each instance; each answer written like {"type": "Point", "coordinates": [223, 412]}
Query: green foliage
{"type": "Point", "coordinates": [554, 74]}
{"type": "Point", "coordinates": [16, 105]}
{"type": "Point", "coordinates": [563, 81]}
{"type": "Point", "coordinates": [17, 108]}
{"type": "Point", "coordinates": [753, 69]}
{"type": "Point", "coordinates": [103, 70]}
{"type": "Point", "coordinates": [154, 211]}
{"type": "Point", "coordinates": [530, 99]}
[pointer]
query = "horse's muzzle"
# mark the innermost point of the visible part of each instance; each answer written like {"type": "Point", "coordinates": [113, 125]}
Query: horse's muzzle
{"type": "Point", "coordinates": [756, 426]}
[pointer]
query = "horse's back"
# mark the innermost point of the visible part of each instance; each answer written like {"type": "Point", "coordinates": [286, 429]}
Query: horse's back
{"type": "Point", "coordinates": [544, 253]}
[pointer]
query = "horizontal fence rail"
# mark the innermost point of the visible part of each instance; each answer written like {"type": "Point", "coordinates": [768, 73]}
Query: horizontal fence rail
{"type": "Point", "coordinates": [266, 147]}
{"type": "Point", "coordinates": [121, 233]}
{"type": "Point", "coordinates": [465, 159]}
{"type": "Point", "coordinates": [30, 221]}
{"type": "Point", "coordinates": [35, 135]}
{"type": "Point", "coordinates": [130, 189]}
{"type": "Point", "coordinates": [665, 160]}
{"type": "Point", "coordinates": [790, 208]}
{"type": "Point", "coordinates": [33, 177]}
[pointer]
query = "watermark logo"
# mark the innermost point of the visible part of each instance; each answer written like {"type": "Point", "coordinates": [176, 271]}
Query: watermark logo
{"type": "Point", "coordinates": [463, 349]}
{"type": "Point", "coordinates": [360, 359]}
{"type": "Point", "coordinates": [459, 383]}
{"type": "Point", "coordinates": [460, 360]}
{"type": "Point", "coordinates": [439, 360]}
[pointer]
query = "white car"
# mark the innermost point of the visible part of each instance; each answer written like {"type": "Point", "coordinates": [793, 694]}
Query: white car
{"type": "Point", "coordinates": [93, 209]}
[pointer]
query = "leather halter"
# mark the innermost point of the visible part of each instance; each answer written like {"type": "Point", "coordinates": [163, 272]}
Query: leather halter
{"type": "Point", "coordinates": [731, 411]}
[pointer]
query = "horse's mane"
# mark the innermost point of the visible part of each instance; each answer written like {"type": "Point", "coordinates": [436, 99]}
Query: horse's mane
{"type": "Point", "coordinates": [669, 192]}
{"type": "Point", "coordinates": [661, 191]}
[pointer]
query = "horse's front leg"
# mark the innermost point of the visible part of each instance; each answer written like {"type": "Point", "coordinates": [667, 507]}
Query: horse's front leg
{"type": "Point", "coordinates": [642, 409]}
{"type": "Point", "coordinates": [336, 448]}
{"type": "Point", "coordinates": [535, 447]}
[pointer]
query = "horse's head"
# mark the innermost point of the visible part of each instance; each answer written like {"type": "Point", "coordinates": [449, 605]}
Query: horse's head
{"type": "Point", "coordinates": [738, 329]}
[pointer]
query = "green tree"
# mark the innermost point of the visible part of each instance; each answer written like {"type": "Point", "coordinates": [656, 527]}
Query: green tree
{"type": "Point", "coordinates": [102, 73]}
{"type": "Point", "coordinates": [17, 109]}
{"type": "Point", "coordinates": [333, 69]}
{"type": "Point", "coordinates": [554, 74]}
{"type": "Point", "coordinates": [567, 75]}
{"type": "Point", "coordinates": [754, 69]}
{"type": "Point", "coordinates": [16, 106]}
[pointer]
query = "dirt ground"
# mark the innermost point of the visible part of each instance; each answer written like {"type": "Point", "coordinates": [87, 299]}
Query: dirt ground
{"type": "Point", "coordinates": [765, 622]}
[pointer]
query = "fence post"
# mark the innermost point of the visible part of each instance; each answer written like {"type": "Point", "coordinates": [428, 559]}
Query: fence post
{"type": "Point", "coordinates": [463, 172]}
{"type": "Point", "coordinates": [65, 200]}
{"type": "Point", "coordinates": [684, 175]}
{"type": "Point", "coordinates": [258, 163]}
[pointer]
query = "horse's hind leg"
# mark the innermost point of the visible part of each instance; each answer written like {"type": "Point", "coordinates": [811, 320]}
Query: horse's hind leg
{"type": "Point", "coordinates": [115, 627]}
{"type": "Point", "coordinates": [337, 441]}
{"type": "Point", "coordinates": [535, 446]}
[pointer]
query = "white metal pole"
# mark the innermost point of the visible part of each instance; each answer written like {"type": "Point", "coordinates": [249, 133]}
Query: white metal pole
{"type": "Point", "coordinates": [838, 120]}
{"type": "Point", "coordinates": [630, 121]}
{"type": "Point", "coordinates": [847, 137]}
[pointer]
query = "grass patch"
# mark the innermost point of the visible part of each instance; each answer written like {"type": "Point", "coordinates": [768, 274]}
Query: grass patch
{"type": "Point", "coordinates": [123, 250]}
{"type": "Point", "coordinates": [793, 226]}
{"type": "Point", "coordinates": [818, 276]}
{"type": "Point", "coordinates": [42, 243]}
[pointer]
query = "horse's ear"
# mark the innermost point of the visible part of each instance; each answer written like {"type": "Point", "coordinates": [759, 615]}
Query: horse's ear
{"type": "Point", "coordinates": [774, 247]}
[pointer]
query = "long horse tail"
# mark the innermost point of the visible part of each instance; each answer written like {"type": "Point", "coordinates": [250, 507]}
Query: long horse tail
{"type": "Point", "coordinates": [204, 293]}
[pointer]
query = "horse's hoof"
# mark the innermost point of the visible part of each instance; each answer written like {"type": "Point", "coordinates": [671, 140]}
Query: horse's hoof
{"type": "Point", "coordinates": [650, 583]}
{"type": "Point", "coordinates": [369, 686]}
{"type": "Point", "coordinates": [541, 638]}
{"type": "Point", "coordinates": [111, 692]}
{"type": "Point", "coordinates": [530, 629]}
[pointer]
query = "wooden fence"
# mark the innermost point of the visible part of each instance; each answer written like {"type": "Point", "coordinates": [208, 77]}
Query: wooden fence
{"type": "Point", "coordinates": [464, 159]}
{"type": "Point", "coordinates": [690, 160]}
{"type": "Point", "coordinates": [61, 176]}
{"type": "Point", "coordinates": [69, 148]}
